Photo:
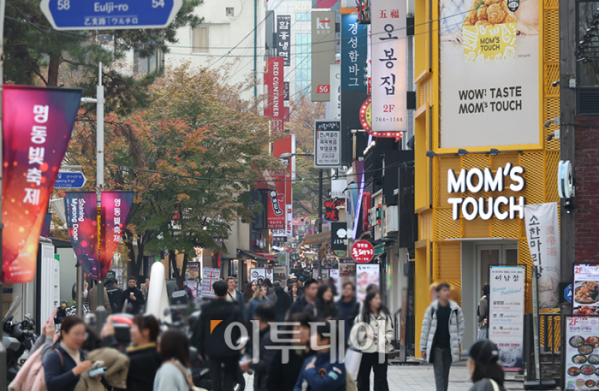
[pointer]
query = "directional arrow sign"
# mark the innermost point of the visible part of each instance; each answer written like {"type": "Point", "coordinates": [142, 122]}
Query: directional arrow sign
{"type": "Point", "coordinates": [70, 180]}
{"type": "Point", "coordinates": [568, 293]}
{"type": "Point", "coordinates": [110, 15]}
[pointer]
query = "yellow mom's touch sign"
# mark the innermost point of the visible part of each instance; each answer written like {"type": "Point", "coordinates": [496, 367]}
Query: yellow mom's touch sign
{"type": "Point", "coordinates": [494, 42]}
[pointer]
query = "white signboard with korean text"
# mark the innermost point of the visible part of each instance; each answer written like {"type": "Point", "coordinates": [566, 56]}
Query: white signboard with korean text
{"type": "Point", "coordinates": [327, 143]}
{"type": "Point", "coordinates": [581, 353]}
{"type": "Point", "coordinates": [585, 294]}
{"type": "Point", "coordinates": [366, 274]}
{"type": "Point", "coordinates": [542, 232]}
{"type": "Point", "coordinates": [388, 66]}
{"type": "Point", "coordinates": [209, 277]}
{"type": "Point", "coordinates": [506, 313]}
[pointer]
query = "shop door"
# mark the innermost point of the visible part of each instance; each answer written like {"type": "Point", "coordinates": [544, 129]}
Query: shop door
{"type": "Point", "coordinates": [494, 255]}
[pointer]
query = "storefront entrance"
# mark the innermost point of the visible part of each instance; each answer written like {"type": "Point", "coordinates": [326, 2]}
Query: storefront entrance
{"type": "Point", "coordinates": [493, 255]}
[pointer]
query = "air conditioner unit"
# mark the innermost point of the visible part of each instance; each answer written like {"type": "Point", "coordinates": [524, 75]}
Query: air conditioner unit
{"type": "Point", "coordinates": [390, 220]}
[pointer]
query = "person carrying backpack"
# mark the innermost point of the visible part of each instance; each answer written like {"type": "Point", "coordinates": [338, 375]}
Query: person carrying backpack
{"type": "Point", "coordinates": [115, 295]}
{"type": "Point", "coordinates": [483, 314]}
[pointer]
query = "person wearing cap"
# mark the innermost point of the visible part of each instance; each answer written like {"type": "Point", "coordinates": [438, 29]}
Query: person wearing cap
{"type": "Point", "coordinates": [442, 334]}
{"type": "Point", "coordinates": [485, 372]}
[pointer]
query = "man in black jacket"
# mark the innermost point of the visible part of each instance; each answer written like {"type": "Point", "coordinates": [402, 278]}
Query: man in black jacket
{"type": "Point", "coordinates": [209, 337]}
{"type": "Point", "coordinates": [310, 289]}
{"type": "Point", "coordinates": [134, 297]}
{"type": "Point", "coordinates": [115, 295]}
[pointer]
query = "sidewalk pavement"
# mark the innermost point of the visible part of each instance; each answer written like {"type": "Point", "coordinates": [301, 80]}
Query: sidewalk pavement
{"type": "Point", "coordinates": [421, 378]}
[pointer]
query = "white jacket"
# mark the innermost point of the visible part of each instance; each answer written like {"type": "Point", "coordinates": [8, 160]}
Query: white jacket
{"type": "Point", "coordinates": [382, 327]}
{"type": "Point", "coordinates": [429, 327]}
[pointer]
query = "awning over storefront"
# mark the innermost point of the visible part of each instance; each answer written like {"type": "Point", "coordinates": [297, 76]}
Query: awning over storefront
{"type": "Point", "coordinates": [244, 254]}
{"type": "Point", "coordinates": [270, 257]}
{"type": "Point", "coordinates": [320, 238]}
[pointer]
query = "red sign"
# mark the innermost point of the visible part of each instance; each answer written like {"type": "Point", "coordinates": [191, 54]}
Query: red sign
{"type": "Point", "coordinates": [323, 89]}
{"type": "Point", "coordinates": [286, 145]}
{"type": "Point", "coordinates": [276, 202]}
{"type": "Point", "coordinates": [274, 80]}
{"type": "Point", "coordinates": [362, 251]}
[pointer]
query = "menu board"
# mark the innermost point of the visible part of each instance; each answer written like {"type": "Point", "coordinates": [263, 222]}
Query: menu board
{"type": "Point", "coordinates": [192, 274]}
{"type": "Point", "coordinates": [581, 353]}
{"type": "Point", "coordinates": [366, 274]}
{"type": "Point", "coordinates": [506, 313]}
{"type": "Point", "coordinates": [209, 277]}
{"type": "Point", "coordinates": [585, 297]}
{"type": "Point", "coordinates": [257, 273]}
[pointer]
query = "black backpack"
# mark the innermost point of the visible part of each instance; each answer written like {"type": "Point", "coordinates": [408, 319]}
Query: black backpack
{"type": "Point", "coordinates": [115, 295]}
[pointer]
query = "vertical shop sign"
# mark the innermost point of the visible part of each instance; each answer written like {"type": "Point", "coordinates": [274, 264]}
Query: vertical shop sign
{"type": "Point", "coordinates": [354, 54]}
{"type": "Point", "coordinates": [273, 79]}
{"type": "Point", "coordinates": [327, 143]}
{"type": "Point", "coordinates": [388, 53]}
{"type": "Point", "coordinates": [323, 53]}
{"type": "Point", "coordinates": [284, 38]}
{"type": "Point", "coordinates": [542, 232]}
{"type": "Point", "coordinates": [506, 313]}
{"type": "Point", "coordinates": [37, 124]}
{"type": "Point", "coordinates": [276, 211]}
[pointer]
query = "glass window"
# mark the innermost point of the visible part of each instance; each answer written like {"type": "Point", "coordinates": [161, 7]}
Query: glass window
{"type": "Point", "coordinates": [200, 39]}
{"type": "Point", "coordinates": [303, 16]}
{"type": "Point", "coordinates": [588, 44]}
{"type": "Point", "coordinates": [303, 64]}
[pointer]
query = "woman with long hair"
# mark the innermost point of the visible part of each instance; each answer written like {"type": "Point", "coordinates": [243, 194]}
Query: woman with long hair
{"type": "Point", "coordinates": [259, 297]}
{"type": "Point", "coordinates": [376, 340]}
{"type": "Point", "coordinates": [64, 366]}
{"type": "Point", "coordinates": [293, 292]}
{"type": "Point", "coordinates": [324, 307]}
{"type": "Point", "coordinates": [485, 372]}
{"type": "Point", "coordinates": [248, 291]}
{"type": "Point", "coordinates": [175, 372]}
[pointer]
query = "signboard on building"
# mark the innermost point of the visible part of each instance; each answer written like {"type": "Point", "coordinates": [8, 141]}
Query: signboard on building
{"type": "Point", "coordinates": [489, 76]}
{"type": "Point", "coordinates": [275, 210]}
{"type": "Point", "coordinates": [542, 233]}
{"type": "Point", "coordinates": [339, 235]}
{"type": "Point", "coordinates": [362, 251]}
{"type": "Point", "coordinates": [506, 313]}
{"type": "Point", "coordinates": [331, 211]}
{"type": "Point", "coordinates": [354, 54]}
{"type": "Point", "coordinates": [335, 105]}
{"type": "Point", "coordinates": [273, 79]}
{"type": "Point", "coordinates": [582, 343]}
{"type": "Point", "coordinates": [327, 143]}
{"type": "Point", "coordinates": [284, 38]}
{"type": "Point", "coordinates": [209, 277]}
{"type": "Point", "coordinates": [388, 66]}
{"type": "Point", "coordinates": [585, 295]}
{"type": "Point", "coordinates": [323, 53]}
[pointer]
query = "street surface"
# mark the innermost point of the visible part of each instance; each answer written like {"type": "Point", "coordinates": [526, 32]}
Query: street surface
{"type": "Point", "coordinates": [421, 377]}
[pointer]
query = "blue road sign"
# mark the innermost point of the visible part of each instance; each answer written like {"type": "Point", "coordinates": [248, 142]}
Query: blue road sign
{"type": "Point", "coordinates": [568, 293]}
{"type": "Point", "coordinates": [110, 15]}
{"type": "Point", "coordinates": [70, 180]}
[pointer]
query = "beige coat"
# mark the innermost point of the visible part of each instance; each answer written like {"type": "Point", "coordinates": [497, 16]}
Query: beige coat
{"type": "Point", "coordinates": [117, 367]}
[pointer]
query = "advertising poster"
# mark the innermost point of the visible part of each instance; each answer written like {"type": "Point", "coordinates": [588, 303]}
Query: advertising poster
{"type": "Point", "coordinates": [388, 66]}
{"type": "Point", "coordinates": [585, 298]}
{"type": "Point", "coordinates": [506, 314]}
{"type": "Point", "coordinates": [116, 206]}
{"type": "Point", "coordinates": [257, 273]}
{"type": "Point", "coordinates": [542, 232]}
{"type": "Point", "coordinates": [347, 271]}
{"type": "Point", "coordinates": [366, 275]}
{"type": "Point", "coordinates": [334, 274]}
{"type": "Point", "coordinates": [323, 53]}
{"type": "Point", "coordinates": [284, 38]}
{"type": "Point", "coordinates": [275, 211]}
{"type": "Point", "coordinates": [37, 124]}
{"type": "Point", "coordinates": [280, 274]}
{"type": "Point", "coordinates": [192, 275]}
{"type": "Point", "coordinates": [327, 143]}
{"type": "Point", "coordinates": [489, 73]}
{"type": "Point", "coordinates": [581, 353]}
{"type": "Point", "coordinates": [82, 222]}
{"type": "Point", "coordinates": [209, 277]}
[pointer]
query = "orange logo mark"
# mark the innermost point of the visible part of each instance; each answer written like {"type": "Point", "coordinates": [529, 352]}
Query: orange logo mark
{"type": "Point", "coordinates": [213, 324]}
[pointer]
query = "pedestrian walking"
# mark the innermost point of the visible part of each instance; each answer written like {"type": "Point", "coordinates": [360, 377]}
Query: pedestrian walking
{"type": "Point", "coordinates": [347, 306]}
{"type": "Point", "coordinates": [115, 296]}
{"type": "Point", "coordinates": [258, 298]}
{"type": "Point", "coordinates": [323, 307]}
{"type": "Point", "coordinates": [310, 289]}
{"type": "Point", "coordinates": [270, 291]}
{"type": "Point", "coordinates": [319, 373]}
{"type": "Point", "coordinates": [233, 294]}
{"type": "Point", "coordinates": [293, 292]}
{"type": "Point", "coordinates": [376, 341]}
{"type": "Point", "coordinates": [265, 314]}
{"type": "Point", "coordinates": [145, 287]}
{"type": "Point", "coordinates": [485, 372]}
{"type": "Point", "coordinates": [248, 292]}
{"type": "Point", "coordinates": [93, 300]}
{"type": "Point", "coordinates": [283, 303]}
{"type": "Point", "coordinates": [132, 297]}
{"type": "Point", "coordinates": [143, 354]}
{"type": "Point", "coordinates": [175, 372]}
{"type": "Point", "coordinates": [171, 287]}
{"type": "Point", "coordinates": [283, 374]}
{"type": "Point", "coordinates": [65, 364]}
{"type": "Point", "coordinates": [210, 341]}
{"type": "Point", "coordinates": [442, 334]}
{"type": "Point", "coordinates": [483, 313]}
{"type": "Point", "coordinates": [360, 307]}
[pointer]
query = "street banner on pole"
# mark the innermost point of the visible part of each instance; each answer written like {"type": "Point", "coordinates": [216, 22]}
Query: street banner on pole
{"type": "Point", "coordinates": [83, 229]}
{"type": "Point", "coordinates": [323, 53]}
{"type": "Point", "coordinates": [116, 206]}
{"type": "Point", "coordinates": [284, 38]}
{"type": "Point", "coordinates": [542, 232]}
{"type": "Point", "coordinates": [506, 313]}
{"type": "Point", "coordinates": [327, 143]}
{"type": "Point", "coordinates": [287, 145]}
{"type": "Point", "coordinates": [37, 124]}
{"type": "Point", "coordinates": [389, 72]}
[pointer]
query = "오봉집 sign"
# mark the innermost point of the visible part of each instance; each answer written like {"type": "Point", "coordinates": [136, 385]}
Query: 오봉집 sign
{"type": "Point", "coordinates": [506, 313]}
{"type": "Point", "coordinates": [327, 143]}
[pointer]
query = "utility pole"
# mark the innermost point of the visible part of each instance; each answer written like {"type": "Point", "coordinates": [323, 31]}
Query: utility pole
{"type": "Point", "coordinates": [255, 48]}
{"type": "Point", "coordinates": [100, 311]}
{"type": "Point", "coordinates": [3, 385]}
{"type": "Point", "coordinates": [320, 191]}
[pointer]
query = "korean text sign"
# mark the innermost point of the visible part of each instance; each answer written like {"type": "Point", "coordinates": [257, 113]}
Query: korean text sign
{"type": "Point", "coordinates": [82, 222]}
{"type": "Point", "coordinates": [209, 276]}
{"type": "Point", "coordinates": [273, 79]}
{"type": "Point", "coordinates": [581, 352]}
{"type": "Point", "coordinates": [506, 313]}
{"type": "Point", "coordinates": [327, 143]}
{"type": "Point", "coordinates": [388, 54]}
{"type": "Point", "coordinates": [284, 38]}
{"type": "Point", "coordinates": [323, 53]}
{"type": "Point", "coordinates": [354, 54]}
{"type": "Point", "coordinates": [362, 251]}
{"type": "Point", "coordinates": [585, 295]}
{"type": "Point", "coordinates": [37, 124]}
{"type": "Point", "coordinates": [116, 206]}
{"type": "Point", "coordinates": [542, 232]}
